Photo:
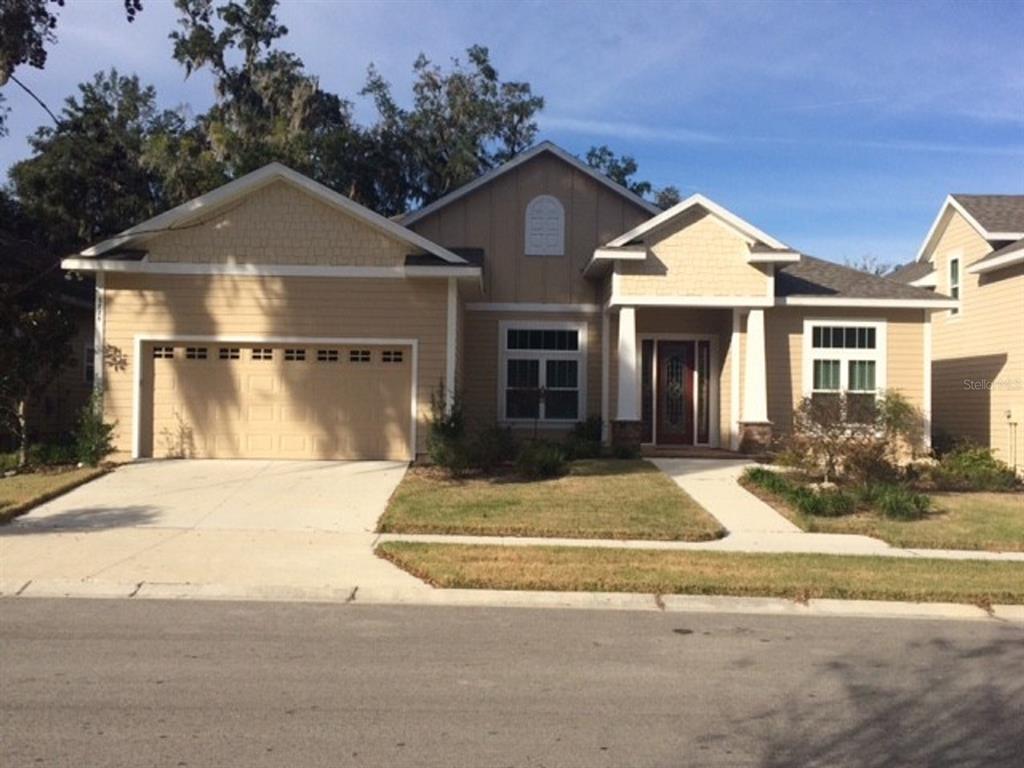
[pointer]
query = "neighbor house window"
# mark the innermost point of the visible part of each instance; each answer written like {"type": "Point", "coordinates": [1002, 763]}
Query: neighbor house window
{"type": "Point", "coordinates": [545, 227]}
{"type": "Point", "coordinates": [845, 357]}
{"type": "Point", "coordinates": [542, 372]}
{"type": "Point", "coordinates": [89, 365]}
{"type": "Point", "coordinates": [954, 281]}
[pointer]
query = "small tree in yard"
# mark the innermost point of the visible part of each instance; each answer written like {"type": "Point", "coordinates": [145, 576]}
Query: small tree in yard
{"type": "Point", "coordinates": [35, 335]}
{"type": "Point", "coordinates": [836, 435]}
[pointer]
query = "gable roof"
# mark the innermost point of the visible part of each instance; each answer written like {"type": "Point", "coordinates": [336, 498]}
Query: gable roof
{"type": "Point", "coordinates": [523, 157]}
{"type": "Point", "coordinates": [911, 272]}
{"type": "Point", "coordinates": [996, 213]}
{"type": "Point", "coordinates": [812, 277]}
{"type": "Point", "coordinates": [997, 218]}
{"type": "Point", "coordinates": [677, 210]}
{"type": "Point", "coordinates": [250, 182]}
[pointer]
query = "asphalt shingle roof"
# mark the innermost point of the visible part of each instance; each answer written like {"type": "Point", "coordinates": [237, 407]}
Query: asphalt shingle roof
{"type": "Point", "coordinates": [996, 213]}
{"type": "Point", "coordinates": [1016, 245]}
{"type": "Point", "coordinates": [816, 277]}
{"type": "Point", "coordinates": [908, 273]}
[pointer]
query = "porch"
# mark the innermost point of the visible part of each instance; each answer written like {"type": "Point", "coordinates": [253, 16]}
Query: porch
{"type": "Point", "coordinates": [686, 378]}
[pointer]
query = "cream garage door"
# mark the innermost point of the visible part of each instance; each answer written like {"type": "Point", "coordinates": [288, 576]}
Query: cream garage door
{"type": "Point", "coordinates": [221, 400]}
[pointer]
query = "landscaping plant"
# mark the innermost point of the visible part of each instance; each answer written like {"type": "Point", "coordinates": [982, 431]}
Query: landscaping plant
{"type": "Point", "coordinates": [93, 436]}
{"type": "Point", "coordinates": [446, 436]}
{"type": "Point", "coordinates": [540, 459]}
{"type": "Point", "coordinates": [970, 467]}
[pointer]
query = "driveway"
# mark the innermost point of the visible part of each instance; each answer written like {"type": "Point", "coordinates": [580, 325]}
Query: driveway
{"type": "Point", "coordinates": [285, 529]}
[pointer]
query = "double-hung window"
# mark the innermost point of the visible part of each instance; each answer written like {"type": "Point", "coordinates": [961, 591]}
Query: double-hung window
{"type": "Point", "coordinates": [845, 356]}
{"type": "Point", "coordinates": [954, 282]}
{"type": "Point", "coordinates": [543, 367]}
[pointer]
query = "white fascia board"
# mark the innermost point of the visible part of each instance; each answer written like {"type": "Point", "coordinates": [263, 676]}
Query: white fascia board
{"type": "Point", "coordinates": [603, 257]}
{"type": "Point", "coordinates": [253, 181]}
{"type": "Point", "coordinates": [931, 280]}
{"type": "Point", "coordinates": [523, 157]}
{"type": "Point", "coordinates": [691, 301]}
{"type": "Point", "coordinates": [827, 301]}
{"type": "Point", "coordinates": [727, 216]}
{"type": "Point", "coordinates": [779, 257]}
{"type": "Point", "coordinates": [1006, 260]}
{"type": "Point", "coordinates": [76, 264]}
{"type": "Point", "coordinates": [952, 203]}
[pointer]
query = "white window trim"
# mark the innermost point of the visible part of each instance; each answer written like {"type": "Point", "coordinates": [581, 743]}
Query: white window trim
{"type": "Point", "coordinates": [504, 353]}
{"type": "Point", "coordinates": [879, 354]}
{"type": "Point", "coordinates": [143, 339]}
{"type": "Point", "coordinates": [955, 258]}
{"type": "Point", "coordinates": [529, 248]}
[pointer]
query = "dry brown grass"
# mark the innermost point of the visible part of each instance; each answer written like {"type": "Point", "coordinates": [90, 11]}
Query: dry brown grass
{"type": "Point", "coordinates": [600, 498]}
{"type": "Point", "coordinates": [795, 576]}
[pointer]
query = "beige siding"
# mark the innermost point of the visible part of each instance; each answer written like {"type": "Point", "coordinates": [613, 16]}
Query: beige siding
{"type": "Point", "coordinates": [697, 256]}
{"type": "Point", "coordinates": [264, 307]}
{"type": "Point", "coordinates": [482, 350]}
{"type": "Point", "coordinates": [784, 354]}
{"type": "Point", "coordinates": [279, 224]}
{"type": "Point", "coordinates": [492, 217]}
{"type": "Point", "coordinates": [978, 354]}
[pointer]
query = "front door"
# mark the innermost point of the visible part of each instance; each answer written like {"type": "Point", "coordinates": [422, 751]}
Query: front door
{"type": "Point", "coordinates": [675, 392]}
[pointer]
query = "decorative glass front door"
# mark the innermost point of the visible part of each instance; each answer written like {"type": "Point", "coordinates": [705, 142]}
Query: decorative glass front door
{"type": "Point", "coordinates": [675, 392]}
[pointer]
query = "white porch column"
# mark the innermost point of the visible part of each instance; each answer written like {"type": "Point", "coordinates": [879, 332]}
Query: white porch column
{"type": "Point", "coordinates": [755, 379]}
{"type": "Point", "coordinates": [629, 374]}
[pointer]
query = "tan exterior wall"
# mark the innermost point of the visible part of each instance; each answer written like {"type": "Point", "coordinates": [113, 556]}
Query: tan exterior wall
{"type": "Point", "coordinates": [279, 224]}
{"type": "Point", "coordinates": [978, 353]}
{"type": "Point", "coordinates": [905, 360]}
{"type": "Point", "coordinates": [482, 351]}
{"type": "Point", "coordinates": [265, 307]}
{"type": "Point", "coordinates": [697, 256]}
{"type": "Point", "coordinates": [492, 217]}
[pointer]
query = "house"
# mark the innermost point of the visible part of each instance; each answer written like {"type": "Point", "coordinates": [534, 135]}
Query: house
{"type": "Point", "coordinates": [974, 252]}
{"type": "Point", "coordinates": [273, 317]}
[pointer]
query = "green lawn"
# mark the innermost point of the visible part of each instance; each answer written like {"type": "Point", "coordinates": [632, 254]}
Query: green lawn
{"type": "Point", "coordinates": [598, 499]}
{"type": "Point", "coordinates": [20, 493]}
{"type": "Point", "coordinates": [796, 576]}
{"type": "Point", "coordinates": [987, 521]}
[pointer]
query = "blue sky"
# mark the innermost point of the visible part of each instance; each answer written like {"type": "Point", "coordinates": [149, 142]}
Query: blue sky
{"type": "Point", "coordinates": [837, 127]}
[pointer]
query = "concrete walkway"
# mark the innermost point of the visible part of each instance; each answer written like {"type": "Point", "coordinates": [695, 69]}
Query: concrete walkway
{"type": "Point", "coordinates": [752, 525]}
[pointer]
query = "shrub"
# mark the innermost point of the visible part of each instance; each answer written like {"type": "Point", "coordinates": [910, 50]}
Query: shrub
{"type": "Point", "coordinates": [93, 436]}
{"type": "Point", "coordinates": [896, 502]}
{"type": "Point", "coordinates": [66, 451]}
{"type": "Point", "coordinates": [807, 500]}
{"type": "Point", "coordinates": [446, 439]}
{"type": "Point", "coordinates": [837, 436]}
{"type": "Point", "coordinates": [969, 467]}
{"type": "Point", "coordinates": [540, 459]}
{"type": "Point", "coordinates": [584, 442]}
{"type": "Point", "coordinates": [492, 447]}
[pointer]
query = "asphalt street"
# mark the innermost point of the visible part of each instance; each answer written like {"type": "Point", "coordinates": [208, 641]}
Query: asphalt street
{"type": "Point", "coordinates": [198, 683]}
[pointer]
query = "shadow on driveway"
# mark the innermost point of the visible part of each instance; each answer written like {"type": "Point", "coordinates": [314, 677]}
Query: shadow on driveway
{"type": "Point", "coordinates": [85, 519]}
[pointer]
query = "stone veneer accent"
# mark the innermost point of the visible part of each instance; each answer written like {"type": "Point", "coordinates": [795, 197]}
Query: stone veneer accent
{"type": "Point", "coordinates": [755, 436]}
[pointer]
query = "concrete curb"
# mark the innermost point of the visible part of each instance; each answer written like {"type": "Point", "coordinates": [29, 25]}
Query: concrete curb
{"type": "Point", "coordinates": [425, 596]}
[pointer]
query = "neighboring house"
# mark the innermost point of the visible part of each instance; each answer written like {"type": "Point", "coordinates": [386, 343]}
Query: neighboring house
{"type": "Point", "coordinates": [974, 252]}
{"type": "Point", "coordinates": [275, 318]}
